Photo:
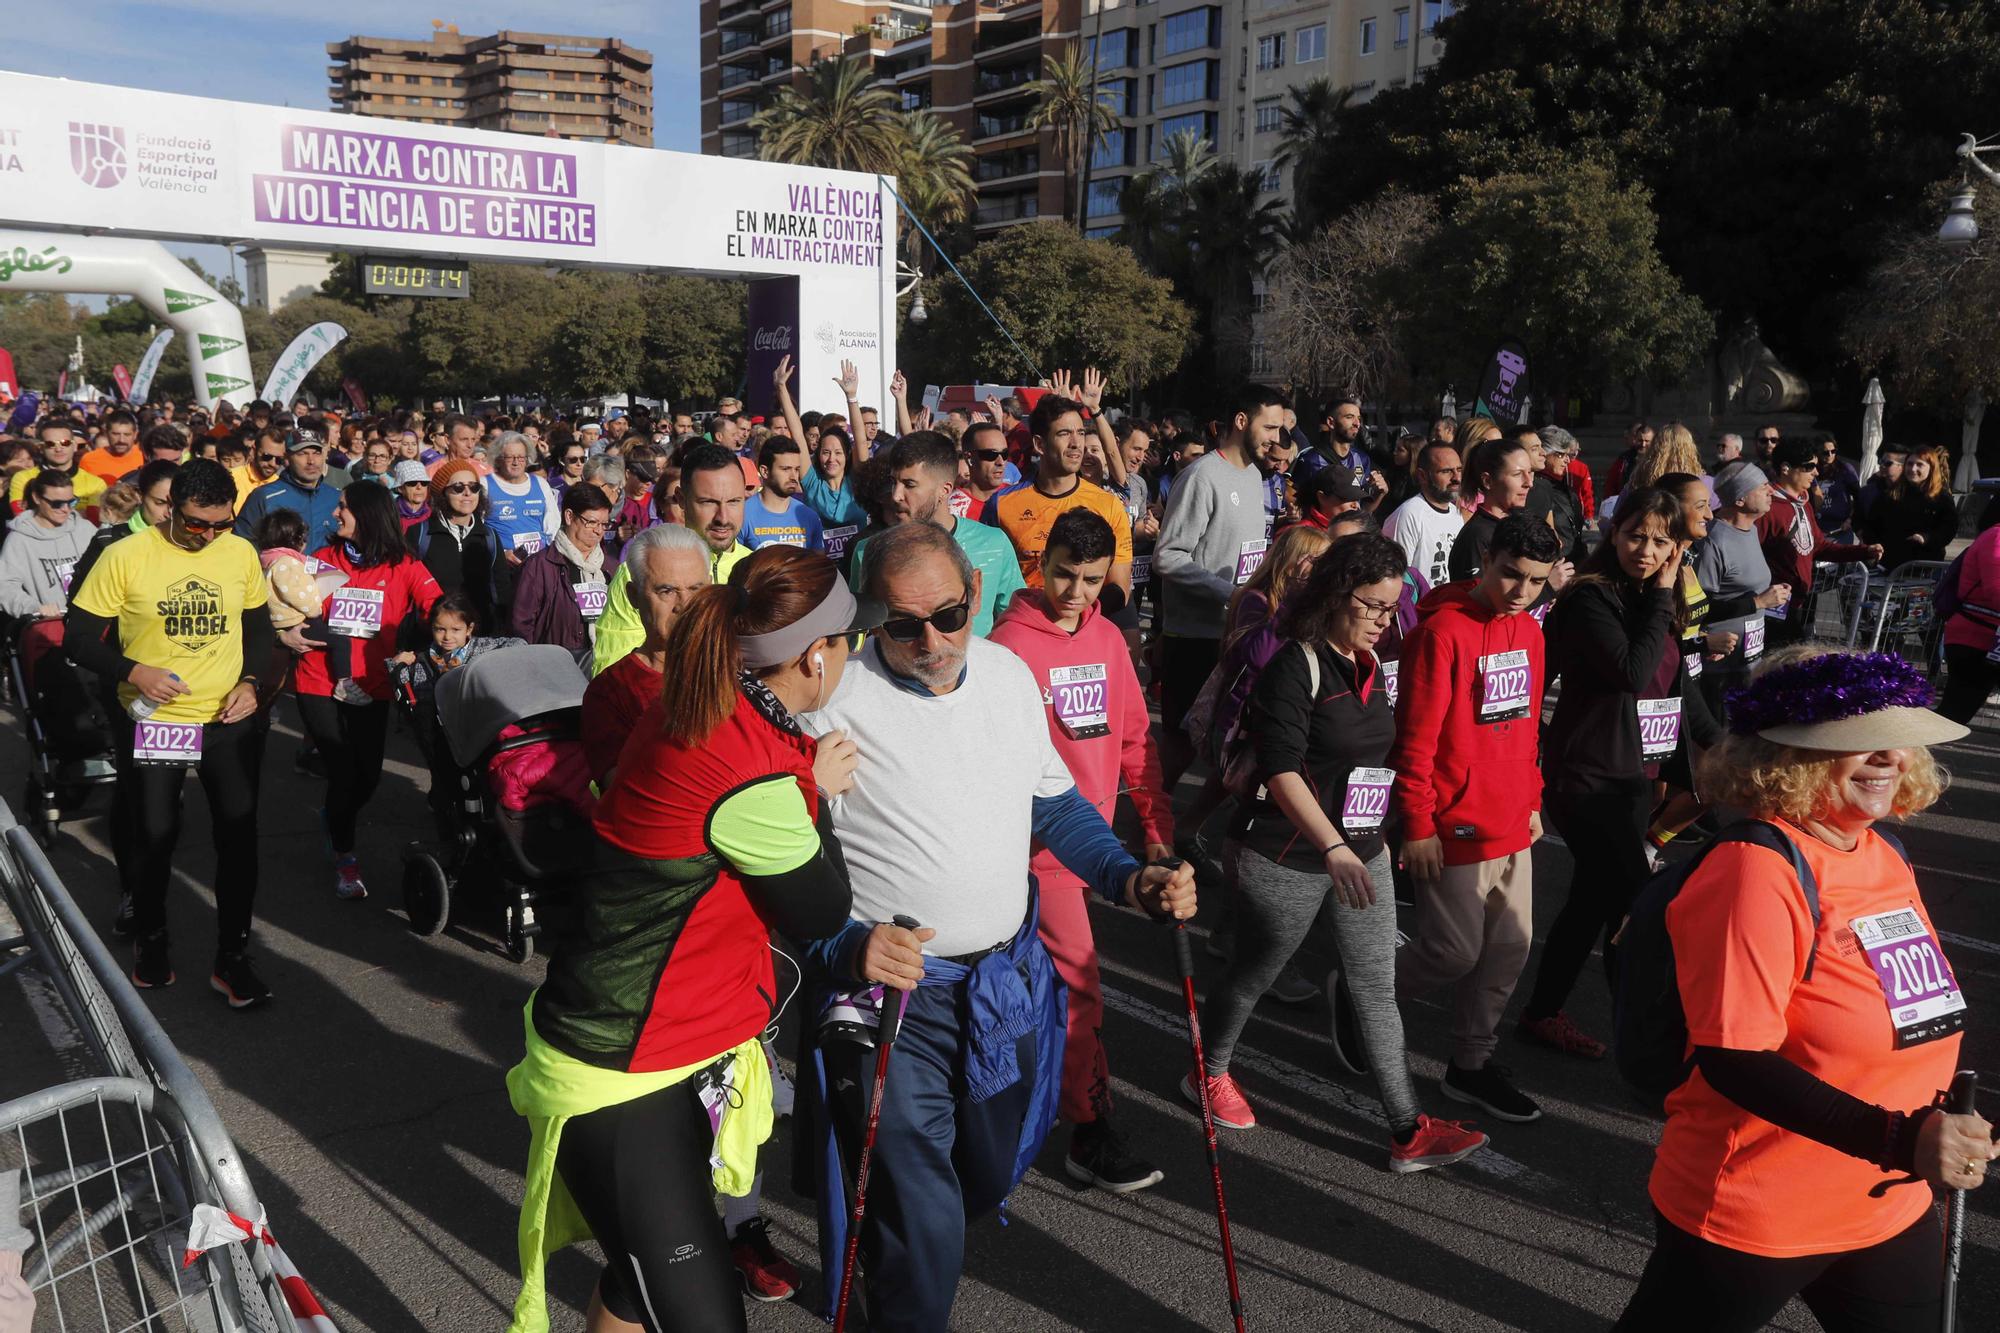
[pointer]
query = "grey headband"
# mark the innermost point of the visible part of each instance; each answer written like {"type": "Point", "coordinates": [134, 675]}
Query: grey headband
{"type": "Point", "coordinates": [834, 615]}
{"type": "Point", "coordinates": [1738, 480]}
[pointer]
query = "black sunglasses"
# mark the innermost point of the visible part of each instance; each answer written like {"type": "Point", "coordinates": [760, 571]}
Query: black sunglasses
{"type": "Point", "coordinates": [272, 458]}
{"type": "Point", "coordinates": [462, 488]}
{"type": "Point", "coordinates": [204, 525]}
{"type": "Point", "coordinates": [986, 455]}
{"type": "Point", "coordinates": [58, 504]}
{"type": "Point", "coordinates": [948, 620]}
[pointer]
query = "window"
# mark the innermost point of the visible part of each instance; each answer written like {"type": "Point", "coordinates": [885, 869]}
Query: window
{"type": "Point", "coordinates": [1193, 82]}
{"type": "Point", "coordinates": [1202, 124]}
{"type": "Point", "coordinates": [1272, 178]}
{"type": "Point", "coordinates": [1121, 95]}
{"type": "Point", "coordinates": [1190, 31]}
{"type": "Point", "coordinates": [1368, 37]}
{"type": "Point", "coordinates": [1113, 150]}
{"type": "Point", "coordinates": [1271, 51]}
{"type": "Point", "coordinates": [1402, 27]}
{"type": "Point", "coordinates": [1103, 198]}
{"type": "Point", "coordinates": [1270, 116]}
{"type": "Point", "coordinates": [1435, 11]}
{"type": "Point", "coordinates": [1117, 49]}
{"type": "Point", "coordinates": [1309, 44]}
{"type": "Point", "coordinates": [1102, 233]}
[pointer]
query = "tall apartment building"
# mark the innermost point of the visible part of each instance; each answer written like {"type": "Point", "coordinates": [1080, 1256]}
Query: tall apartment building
{"type": "Point", "coordinates": [595, 89]}
{"type": "Point", "coordinates": [970, 61]}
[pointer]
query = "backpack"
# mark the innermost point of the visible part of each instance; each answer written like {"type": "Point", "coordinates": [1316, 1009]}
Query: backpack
{"type": "Point", "coordinates": [1238, 759]}
{"type": "Point", "coordinates": [1650, 1035]}
{"type": "Point", "coordinates": [1945, 600]}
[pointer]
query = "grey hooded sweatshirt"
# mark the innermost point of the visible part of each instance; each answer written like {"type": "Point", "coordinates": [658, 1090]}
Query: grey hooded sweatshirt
{"type": "Point", "coordinates": [36, 563]}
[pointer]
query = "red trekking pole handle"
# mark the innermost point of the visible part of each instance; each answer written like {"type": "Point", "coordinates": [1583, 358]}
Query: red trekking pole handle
{"type": "Point", "coordinates": [885, 1038]}
{"type": "Point", "coordinates": [1184, 956]}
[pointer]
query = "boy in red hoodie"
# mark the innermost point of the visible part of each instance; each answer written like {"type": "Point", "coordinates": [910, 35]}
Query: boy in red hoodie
{"type": "Point", "coordinates": [1468, 792]}
{"type": "Point", "coordinates": [1097, 718]}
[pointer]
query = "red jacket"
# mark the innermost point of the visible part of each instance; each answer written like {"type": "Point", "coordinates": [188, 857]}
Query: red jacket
{"type": "Point", "coordinates": [1472, 784]}
{"type": "Point", "coordinates": [1792, 540]}
{"type": "Point", "coordinates": [1097, 763]}
{"type": "Point", "coordinates": [407, 589]}
{"type": "Point", "coordinates": [1579, 481]}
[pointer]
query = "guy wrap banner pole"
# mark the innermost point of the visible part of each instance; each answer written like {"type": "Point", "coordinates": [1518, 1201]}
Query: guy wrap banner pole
{"type": "Point", "coordinates": [149, 365]}
{"type": "Point", "coordinates": [1503, 385]}
{"type": "Point", "coordinates": [296, 362]}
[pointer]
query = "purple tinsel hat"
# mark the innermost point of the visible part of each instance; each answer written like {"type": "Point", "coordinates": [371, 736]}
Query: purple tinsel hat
{"type": "Point", "coordinates": [1846, 703]}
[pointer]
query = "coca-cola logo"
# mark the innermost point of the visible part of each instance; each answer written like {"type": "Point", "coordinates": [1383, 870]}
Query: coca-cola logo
{"type": "Point", "coordinates": [772, 340]}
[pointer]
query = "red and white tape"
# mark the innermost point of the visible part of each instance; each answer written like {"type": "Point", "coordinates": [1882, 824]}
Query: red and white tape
{"type": "Point", "coordinates": [214, 1226]}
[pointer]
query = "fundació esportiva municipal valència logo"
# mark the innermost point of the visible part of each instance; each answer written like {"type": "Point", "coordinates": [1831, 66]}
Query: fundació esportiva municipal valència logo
{"type": "Point", "coordinates": [97, 154]}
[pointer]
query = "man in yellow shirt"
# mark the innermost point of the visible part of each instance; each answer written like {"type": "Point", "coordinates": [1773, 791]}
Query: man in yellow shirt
{"type": "Point", "coordinates": [1027, 511]}
{"type": "Point", "coordinates": [177, 614]}
{"type": "Point", "coordinates": [267, 460]}
{"type": "Point", "coordinates": [55, 446]}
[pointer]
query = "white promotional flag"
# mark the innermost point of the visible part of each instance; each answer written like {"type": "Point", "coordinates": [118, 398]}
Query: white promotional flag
{"type": "Point", "coordinates": [142, 383]}
{"type": "Point", "coordinates": [296, 362]}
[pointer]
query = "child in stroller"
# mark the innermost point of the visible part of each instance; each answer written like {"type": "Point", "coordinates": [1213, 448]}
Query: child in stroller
{"type": "Point", "coordinates": [455, 641]}
{"type": "Point", "coordinates": [508, 754]}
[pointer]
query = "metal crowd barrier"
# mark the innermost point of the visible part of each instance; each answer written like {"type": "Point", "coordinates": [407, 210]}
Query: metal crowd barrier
{"type": "Point", "coordinates": [112, 1168]}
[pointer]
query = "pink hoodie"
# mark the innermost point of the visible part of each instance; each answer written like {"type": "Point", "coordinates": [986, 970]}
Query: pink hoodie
{"type": "Point", "coordinates": [1097, 763]}
{"type": "Point", "coordinates": [1978, 594]}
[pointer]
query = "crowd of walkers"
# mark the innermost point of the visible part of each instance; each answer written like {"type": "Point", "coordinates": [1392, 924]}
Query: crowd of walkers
{"type": "Point", "coordinates": [1341, 688]}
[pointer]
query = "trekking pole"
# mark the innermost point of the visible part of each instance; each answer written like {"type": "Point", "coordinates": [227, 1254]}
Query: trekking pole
{"type": "Point", "coordinates": [885, 1037]}
{"type": "Point", "coordinates": [1959, 1101]}
{"type": "Point", "coordinates": [1184, 954]}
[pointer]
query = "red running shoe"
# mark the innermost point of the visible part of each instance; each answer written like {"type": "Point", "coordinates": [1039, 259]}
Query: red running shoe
{"type": "Point", "coordinates": [1436, 1143]}
{"type": "Point", "coordinates": [1559, 1032]}
{"type": "Point", "coordinates": [766, 1274]}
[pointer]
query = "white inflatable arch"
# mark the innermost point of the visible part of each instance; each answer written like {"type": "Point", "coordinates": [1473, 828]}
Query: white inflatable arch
{"type": "Point", "coordinates": [210, 327]}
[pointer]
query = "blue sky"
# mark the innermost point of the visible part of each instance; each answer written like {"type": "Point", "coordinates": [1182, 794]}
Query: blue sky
{"type": "Point", "coordinates": [274, 51]}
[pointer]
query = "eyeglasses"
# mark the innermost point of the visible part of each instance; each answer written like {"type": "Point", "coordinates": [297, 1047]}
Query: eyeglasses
{"type": "Point", "coordinates": [595, 524]}
{"type": "Point", "coordinates": [462, 488]}
{"type": "Point", "coordinates": [1767, 439]}
{"type": "Point", "coordinates": [574, 458]}
{"type": "Point", "coordinates": [986, 455]}
{"type": "Point", "coordinates": [1374, 611]}
{"type": "Point", "coordinates": [204, 525]}
{"type": "Point", "coordinates": [58, 504]}
{"type": "Point", "coordinates": [948, 620]}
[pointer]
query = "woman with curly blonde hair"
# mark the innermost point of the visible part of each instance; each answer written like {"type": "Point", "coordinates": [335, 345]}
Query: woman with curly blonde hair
{"type": "Point", "coordinates": [1822, 1019]}
{"type": "Point", "coordinates": [1672, 452]}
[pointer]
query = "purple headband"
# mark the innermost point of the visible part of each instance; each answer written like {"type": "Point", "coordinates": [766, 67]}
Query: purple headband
{"type": "Point", "coordinates": [1826, 688]}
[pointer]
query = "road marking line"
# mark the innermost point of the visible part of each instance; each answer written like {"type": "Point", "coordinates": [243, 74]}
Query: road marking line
{"type": "Point", "coordinates": [1326, 1092]}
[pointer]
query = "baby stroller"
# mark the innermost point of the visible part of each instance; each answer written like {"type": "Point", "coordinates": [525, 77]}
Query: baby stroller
{"type": "Point", "coordinates": [70, 749]}
{"type": "Point", "coordinates": [509, 722]}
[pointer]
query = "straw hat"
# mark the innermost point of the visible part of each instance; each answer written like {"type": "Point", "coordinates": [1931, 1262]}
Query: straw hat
{"type": "Point", "coordinates": [1841, 703]}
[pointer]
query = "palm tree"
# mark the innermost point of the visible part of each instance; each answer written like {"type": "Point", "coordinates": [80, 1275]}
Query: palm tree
{"type": "Point", "coordinates": [1070, 106]}
{"type": "Point", "coordinates": [934, 174]}
{"type": "Point", "coordinates": [1311, 120]}
{"type": "Point", "coordinates": [841, 119]}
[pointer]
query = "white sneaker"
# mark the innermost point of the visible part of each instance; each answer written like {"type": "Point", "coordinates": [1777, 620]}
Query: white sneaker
{"type": "Point", "coordinates": [783, 1095]}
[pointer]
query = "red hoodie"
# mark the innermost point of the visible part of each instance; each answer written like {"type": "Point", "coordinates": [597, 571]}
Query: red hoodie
{"type": "Point", "coordinates": [1096, 762]}
{"type": "Point", "coordinates": [1472, 784]}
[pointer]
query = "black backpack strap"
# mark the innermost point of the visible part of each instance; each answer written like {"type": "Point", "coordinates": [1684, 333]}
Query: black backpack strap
{"type": "Point", "coordinates": [1770, 836]}
{"type": "Point", "coordinates": [1897, 844]}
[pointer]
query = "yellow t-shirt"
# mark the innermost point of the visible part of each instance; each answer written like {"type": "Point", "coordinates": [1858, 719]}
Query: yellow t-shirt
{"type": "Point", "coordinates": [1026, 515]}
{"type": "Point", "coordinates": [180, 610]}
{"type": "Point", "coordinates": [88, 488]}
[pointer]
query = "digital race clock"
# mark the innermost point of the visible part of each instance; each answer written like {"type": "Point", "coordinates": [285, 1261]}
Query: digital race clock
{"type": "Point", "coordinates": [402, 277]}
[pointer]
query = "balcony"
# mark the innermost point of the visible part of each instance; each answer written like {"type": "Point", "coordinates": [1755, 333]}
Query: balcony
{"type": "Point", "coordinates": [778, 25]}
{"type": "Point", "coordinates": [735, 76]}
{"type": "Point", "coordinates": [735, 12]}
{"type": "Point", "coordinates": [1003, 80]}
{"type": "Point", "coordinates": [1007, 165]}
{"type": "Point", "coordinates": [1007, 208]}
{"type": "Point", "coordinates": [990, 127]}
{"type": "Point", "coordinates": [735, 113]}
{"type": "Point", "coordinates": [994, 37]}
{"type": "Point", "coordinates": [739, 39]}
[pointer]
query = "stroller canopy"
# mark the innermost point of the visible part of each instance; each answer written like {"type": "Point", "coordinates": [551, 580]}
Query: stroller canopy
{"type": "Point", "coordinates": [492, 692]}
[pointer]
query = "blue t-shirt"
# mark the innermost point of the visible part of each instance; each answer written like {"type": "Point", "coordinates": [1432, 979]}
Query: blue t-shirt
{"type": "Point", "coordinates": [522, 522]}
{"type": "Point", "coordinates": [836, 508]}
{"type": "Point", "coordinates": [797, 525]}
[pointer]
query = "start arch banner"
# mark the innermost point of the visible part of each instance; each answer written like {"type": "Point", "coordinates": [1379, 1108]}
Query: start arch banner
{"type": "Point", "coordinates": [92, 157]}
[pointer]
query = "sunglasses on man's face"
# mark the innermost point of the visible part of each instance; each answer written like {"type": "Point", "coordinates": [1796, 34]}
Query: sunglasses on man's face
{"type": "Point", "coordinates": [272, 458]}
{"type": "Point", "coordinates": [986, 455]}
{"type": "Point", "coordinates": [948, 620]}
{"type": "Point", "coordinates": [1767, 439]}
{"type": "Point", "coordinates": [58, 504]}
{"type": "Point", "coordinates": [205, 525]}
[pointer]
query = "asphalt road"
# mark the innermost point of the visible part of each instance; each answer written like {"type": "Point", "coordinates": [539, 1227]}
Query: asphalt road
{"type": "Point", "coordinates": [368, 1100]}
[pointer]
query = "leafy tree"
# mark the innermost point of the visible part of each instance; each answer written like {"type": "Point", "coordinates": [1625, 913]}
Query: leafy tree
{"type": "Point", "coordinates": [1564, 260]}
{"type": "Point", "coordinates": [1310, 121]}
{"type": "Point", "coordinates": [693, 341]}
{"type": "Point", "coordinates": [934, 174]}
{"type": "Point", "coordinates": [1778, 140]}
{"type": "Point", "coordinates": [1922, 320]}
{"type": "Point", "coordinates": [1331, 299]}
{"type": "Point", "coordinates": [596, 348]}
{"type": "Point", "coordinates": [1070, 301]}
{"type": "Point", "coordinates": [497, 341]}
{"type": "Point", "coordinates": [1067, 103]}
{"type": "Point", "coordinates": [842, 119]}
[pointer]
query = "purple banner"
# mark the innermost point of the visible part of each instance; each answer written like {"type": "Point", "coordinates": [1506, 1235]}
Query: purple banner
{"type": "Point", "coordinates": [403, 160]}
{"type": "Point", "coordinates": [770, 335]}
{"type": "Point", "coordinates": [373, 206]}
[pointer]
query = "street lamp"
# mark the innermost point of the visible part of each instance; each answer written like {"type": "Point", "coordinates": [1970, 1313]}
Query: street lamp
{"type": "Point", "coordinates": [1960, 226]}
{"type": "Point", "coordinates": [919, 312]}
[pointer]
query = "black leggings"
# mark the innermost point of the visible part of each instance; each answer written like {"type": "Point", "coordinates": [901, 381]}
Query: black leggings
{"type": "Point", "coordinates": [1691, 1283]}
{"type": "Point", "coordinates": [146, 826]}
{"type": "Point", "coordinates": [1969, 679]}
{"type": "Point", "coordinates": [1606, 834]}
{"type": "Point", "coordinates": [350, 739]}
{"type": "Point", "coordinates": [640, 1176]}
